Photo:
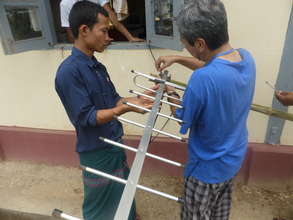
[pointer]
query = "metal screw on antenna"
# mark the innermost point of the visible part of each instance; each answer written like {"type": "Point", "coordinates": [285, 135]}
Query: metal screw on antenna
{"type": "Point", "coordinates": [168, 75]}
{"type": "Point", "coordinates": [165, 73]}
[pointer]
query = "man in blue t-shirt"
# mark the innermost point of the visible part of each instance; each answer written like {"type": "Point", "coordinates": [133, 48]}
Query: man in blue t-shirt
{"type": "Point", "coordinates": [215, 104]}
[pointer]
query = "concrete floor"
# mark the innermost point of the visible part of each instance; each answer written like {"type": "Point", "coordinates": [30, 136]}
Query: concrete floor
{"type": "Point", "coordinates": [39, 188]}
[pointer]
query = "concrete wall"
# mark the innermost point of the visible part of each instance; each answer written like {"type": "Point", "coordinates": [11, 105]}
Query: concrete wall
{"type": "Point", "coordinates": [264, 164]}
{"type": "Point", "coordinates": [27, 79]}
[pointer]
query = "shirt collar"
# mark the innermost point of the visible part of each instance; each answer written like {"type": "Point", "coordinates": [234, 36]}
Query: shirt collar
{"type": "Point", "coordinates": [91, 61]}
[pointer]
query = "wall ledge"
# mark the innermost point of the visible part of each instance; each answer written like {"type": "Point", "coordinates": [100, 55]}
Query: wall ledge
{"type": "Point", "coordinates": [265, 164]}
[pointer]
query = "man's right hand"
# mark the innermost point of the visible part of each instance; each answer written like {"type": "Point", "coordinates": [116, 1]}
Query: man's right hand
{"type": "Point", "coordinates": [286, 98]}
{"type": "Point", "coordinates": [165, 61]}
{"type": "Point", "coordinates": [142, 102]}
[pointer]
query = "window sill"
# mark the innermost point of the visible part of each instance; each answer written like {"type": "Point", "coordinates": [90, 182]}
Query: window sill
{"type": "Point", "coordinates": [113, 46]}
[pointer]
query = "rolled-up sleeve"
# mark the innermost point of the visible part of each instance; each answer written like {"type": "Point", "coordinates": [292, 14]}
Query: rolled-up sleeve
{"type": "Point", "coordinates": [117, 97]}
{"type": "Point", "coordinates": [75, 98]}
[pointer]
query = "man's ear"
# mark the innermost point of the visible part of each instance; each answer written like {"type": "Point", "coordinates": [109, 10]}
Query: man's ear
{"type": "Point", "coordinates": [83, 30]}
{"type": "Point", "coordinates": [200, 44]}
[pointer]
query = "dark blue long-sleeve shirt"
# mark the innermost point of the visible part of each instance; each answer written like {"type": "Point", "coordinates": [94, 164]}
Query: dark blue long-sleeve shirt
{"type": "Point", "coordinates": [84, 87]}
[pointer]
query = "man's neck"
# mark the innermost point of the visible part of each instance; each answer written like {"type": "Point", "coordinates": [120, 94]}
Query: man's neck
{"type": "Point", "coordinates": [82, 47]}
{"type": "Point", "coordinates": [226, 47]}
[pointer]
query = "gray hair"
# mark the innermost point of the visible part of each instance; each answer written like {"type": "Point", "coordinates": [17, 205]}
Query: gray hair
{"type": "Point", "coordinates": [205, 19]}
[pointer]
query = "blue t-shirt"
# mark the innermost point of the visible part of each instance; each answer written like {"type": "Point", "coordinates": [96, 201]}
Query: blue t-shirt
{"type": "Point", "coordinates": [216, 104]}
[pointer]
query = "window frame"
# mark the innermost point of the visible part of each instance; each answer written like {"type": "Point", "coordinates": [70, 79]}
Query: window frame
{"type": "Point", "coordinates": [50, 39]}
{"type": "Point", "coordinates": [160, 40]}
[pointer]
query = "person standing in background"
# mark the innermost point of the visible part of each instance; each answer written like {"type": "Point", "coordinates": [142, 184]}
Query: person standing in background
{"type": "Point", "coordinates": [66, 5]}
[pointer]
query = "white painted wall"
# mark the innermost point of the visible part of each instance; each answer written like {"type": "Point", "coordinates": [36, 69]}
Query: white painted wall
{"type": "Point", "coordinates": [28, 97]}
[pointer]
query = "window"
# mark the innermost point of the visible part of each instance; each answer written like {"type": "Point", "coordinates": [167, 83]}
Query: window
{"type": "Point", "coordinates": [135, 22]}
{"type": "Point", "coordinates": [35, 24]}
{"type": "Point", "coordinates": [162, 30]}
{"type": "Point", "coordinates": [24, 22]}
{"type": "Point", "coordinates": [22, 26]}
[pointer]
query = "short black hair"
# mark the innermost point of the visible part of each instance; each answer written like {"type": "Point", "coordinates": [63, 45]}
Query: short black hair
{"type": "Point", "coordinates": [84, 13]}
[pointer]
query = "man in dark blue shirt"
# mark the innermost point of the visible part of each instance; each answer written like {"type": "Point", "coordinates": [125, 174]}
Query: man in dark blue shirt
{"type": "Point", "coordinates": [92, 102]}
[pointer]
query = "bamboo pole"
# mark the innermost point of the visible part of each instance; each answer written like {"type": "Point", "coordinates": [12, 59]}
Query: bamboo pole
{"type": "Point", "coordinates": [272, 112]}
{"type": "Point", "coordinates": [255, 107]}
